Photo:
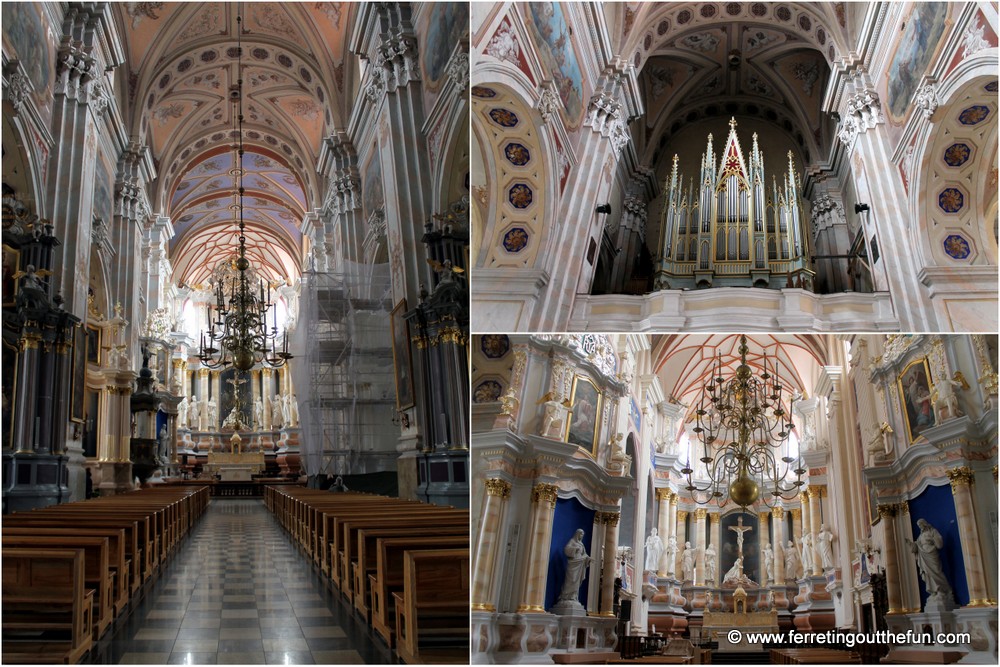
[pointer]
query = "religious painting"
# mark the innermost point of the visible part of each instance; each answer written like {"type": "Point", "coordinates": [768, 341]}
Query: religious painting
{"type": "Point", "coordinates": [11, 258]}
{"type": "Point", "coordinates": [93, 344]}
{"type": "Point", "coordinates": [26, 29]}
{"type": "Point", "coordinates": [447, 25]}
{"type": "Point", "coordinates": [916, 48]}
{"type": "Point", "coordinates": [79, 370]}
{"type": "Point", "coordinates": [103, 187]}
{"type": "Point", "coordinates": [585, 414]}
{"type": "Point", "coordinates": [915, 388]}
{"type": "Point", "coordinates": [550, 30]}
{"type": "Point", "coordinates": [401, 359]}
{"type": "Point", "coordinates": [373, 196]}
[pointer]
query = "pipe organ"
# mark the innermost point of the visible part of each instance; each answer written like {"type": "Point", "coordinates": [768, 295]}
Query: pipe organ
{"type": "Point", "coordinates": [733, 231]}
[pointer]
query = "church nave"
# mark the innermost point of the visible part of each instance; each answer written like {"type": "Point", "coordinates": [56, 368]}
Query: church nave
{"type": "Point", "coordinates": [239, 592]}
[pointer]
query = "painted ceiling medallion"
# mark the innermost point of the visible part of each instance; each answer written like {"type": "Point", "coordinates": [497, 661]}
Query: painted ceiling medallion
{"type": "Point", "coordinates": [975, 114]}
{"type": "Point", "coordinates": [483, 92]}
{"type": "Point", "coordinates": [504, 117]}
{"type": "Point", "coordinates": [488, 391]}
{"type": "Point", "coordinates": [520, 196]}
{"type": "Point", "coordinates": [517, 154]}
{"type": "Point", "coordinates": [495, 346]}
{"type": "Point", "coordinates": [957, 247]}
{"type": "Point", "coordinates": [957, 154]}
{"type": "Point", "coordinates": [951, 200]}
{"type": "Point", "coordinates": [515, 240]}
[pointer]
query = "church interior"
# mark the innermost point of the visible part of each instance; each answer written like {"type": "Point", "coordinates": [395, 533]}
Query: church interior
{"type": "Point", "coordinates": [770, 166]}
{"type": "Point", "coordinates": [235, 332]}
{"type": "Point", "coordinates": [637, 497]}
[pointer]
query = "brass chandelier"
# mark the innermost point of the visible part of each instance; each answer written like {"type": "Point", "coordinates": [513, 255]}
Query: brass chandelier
{"type": "Point", "coordinates": [744, 434]}
{"type": "Point", "coordinates": [238, 334]}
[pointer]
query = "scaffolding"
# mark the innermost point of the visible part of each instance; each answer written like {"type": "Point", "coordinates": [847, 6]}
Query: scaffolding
{"type": "Point", "coordinates": [347, 394]}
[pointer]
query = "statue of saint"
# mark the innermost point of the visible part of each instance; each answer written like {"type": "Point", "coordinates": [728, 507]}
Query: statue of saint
{"type": "Point", "coordinates": [735, 573]}
{"type": "Point", "coordinates": [792, 563]}
{"type": "Point", "coordinates": [195, 415]}
{"type": "Point", "coordinates": [577, 561]}
{"type": "Point", "coordinates": [258, 413]}
{"type": "Point", "coordinates": [687, 562]}
{"type": "Point", "coordinates": [926, 548]}
{"type": "Point", "coordinates": [213, 414]}
{"type": "Point", "coordinates": [277, 412]}
{"type": "Point", "coordinates": [824, 543]}
{"type": "Point", "coordinates": [182, 413]}
{"type": "Point", "coordinates": [710, 563]}
{"type": "Point", "coordinates": [654, 547]}
{"type": "Point", "coordinates": [807, 553]}
{"type": "Point", "coordinates": [769, 562]}
{"type": "Point", "coordinates": [671, 554]}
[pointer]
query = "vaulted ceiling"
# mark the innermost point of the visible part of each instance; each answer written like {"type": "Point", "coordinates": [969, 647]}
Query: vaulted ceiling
{"type": "Point", "coordinates": [182, 60]}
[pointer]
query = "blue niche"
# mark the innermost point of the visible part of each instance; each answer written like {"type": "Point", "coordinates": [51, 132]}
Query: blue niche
{"type": "Point", "coordinates": [937, 506]}
{"type": "Point", "coordinates": [570, 514]}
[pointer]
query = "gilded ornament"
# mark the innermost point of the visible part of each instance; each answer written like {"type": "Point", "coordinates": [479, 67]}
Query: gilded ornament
{"type": "Point", "coordinates": [699, 514]}
{"type": "Point", "coordinates": [888, 510]}
{"type": "Point", "coordinates": [544, 493]}
{"type": "Point", "coordinates": [961, 476]}
{"type": "Point", "coordinates": [497, 487]}
{"type": "Point", "coordinates": [778, 513]}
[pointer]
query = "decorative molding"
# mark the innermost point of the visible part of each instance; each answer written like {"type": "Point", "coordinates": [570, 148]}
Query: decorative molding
{"type": "Point", "coordinates": [549, 101]}
{"type": "Point", "coordinates": [926, 100]}
{"type": "Point", "coordinates": [961, 476]}
{"type": "Point", "coordinates": [457, 69]}
{"type": "Point", "coordinates": [497, 487]}
{"type": "Point", "coordinates": [544, 493]}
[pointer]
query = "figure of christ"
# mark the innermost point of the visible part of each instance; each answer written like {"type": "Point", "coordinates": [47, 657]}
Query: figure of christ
{"type": "Point", "coordinates": [739, 529]}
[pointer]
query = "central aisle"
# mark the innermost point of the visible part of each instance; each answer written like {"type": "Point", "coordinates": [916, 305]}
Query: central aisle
{"type": "Point", "coordinates": [239, 592]}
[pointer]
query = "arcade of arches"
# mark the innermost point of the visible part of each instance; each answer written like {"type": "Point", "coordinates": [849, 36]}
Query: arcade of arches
{"type": "Point", "coordinates": [594, 521]}
{"type": "Point", "coordinates": [847, 177]}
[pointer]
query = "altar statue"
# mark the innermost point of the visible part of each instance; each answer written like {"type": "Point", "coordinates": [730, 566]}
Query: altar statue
{"type": "Point", "coordinates": [234, 420]}
{"type": "Point", "coordinates": [277, 414]}
{"type": "Point", "coordinates": [710, 563]}
{"type": "Point", "coordinates": [792, 563]}
{"type": "Point", "coordinates": [671, 554]}
{"type": "Point", "coordinates": [768, 562]}
{"type": "Point", "coordinates": [213, 414]}
{"type": "Point", "coordinates": [258, 414]}
{"type": "Point", "coordinates": [926, 548]}
{"type": "Point", "coordinates": [824, 543]}
{"type": "Point", "coordinates": [654, 547]}
{"type": "Point", "coordinates": [687, 562]}
{"type": "Point", "coordinates": [740, 529]}
{"type": "Point", "coordinates": [293, 410]}
{"type": "Point", "coordinates": [735, 573]}
{"type": "Point", "coordinates": [182, 413]}
{"type": "Point", "coordinates": [161, 445]}
{"type": "Point", "coordinates": [807, 553]}
{"type": "Point", "coordinates": [195, 415]}
{"type": "Point", "coordinates": [577, 561]}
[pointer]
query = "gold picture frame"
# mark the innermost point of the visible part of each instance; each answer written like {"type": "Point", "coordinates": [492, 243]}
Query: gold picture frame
{"type": "Point", "coordinates": [915, 390]}
{"type": "Point", "coordinates": [93, 344]}
{"type": "Point", "coordinates": [402, 360]}
{"type": "Point", "coordinates": [584, 422]}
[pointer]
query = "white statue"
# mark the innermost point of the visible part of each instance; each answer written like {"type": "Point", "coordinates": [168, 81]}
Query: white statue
{"type": "Point", "coordinates": [213, 414]}
{"type": "Point", "coordinates": [735, 573]}
{"type": "Point", "coordinates": [824, 543]}
{"type": "Point", "coordinates": [182, 413]}
{"type": "Point", "coordinates": [792, 563]}
{"type": "Point", "coordinates": [286, 409]}
{"type": "Point", "coordinates": [258, 413]}
{"type": "Point", "coordinates": [687, 562]}
{"type": "Point", "coordinates": [740, 529]}
{"type": "Point", "coordinates": [654, 547]}
{"type": "Point", "coordinates": [293, 408]}
{"type": "Point", "coordinates": [195, 415]}
{"type": "Point", "coordinates": [945, 400]}
{"type": "Point", "coordinates": [926, 548]}
{"type": "Point", "coordinates": [277, 414]}
{"type": "Point", "coordinates": [266, 410]}
{"type": "Point", "coordinates": [234, 420]}
{"type": "Point", "coordinates": [161, 442]}
{"type": "Point", "coordinates": [671, 554]}
{"type": "Point", "coordinates": [769, 562]}
{"type": "Point", "coordinates": [555, 415]}
{"type": "Point", "coordinates": [577, 561]}
{"type": "Point", "coordinates": [807, 552]}
{"type": "Point", "coordinates": [710, 563]}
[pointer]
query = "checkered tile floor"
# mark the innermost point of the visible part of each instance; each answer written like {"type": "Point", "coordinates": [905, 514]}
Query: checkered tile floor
{"type": "Point", "coordinates": [239, 592]}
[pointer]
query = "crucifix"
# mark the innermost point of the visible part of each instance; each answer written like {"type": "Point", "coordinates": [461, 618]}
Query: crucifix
{"type": "Point", "coordinates": [739, 529]}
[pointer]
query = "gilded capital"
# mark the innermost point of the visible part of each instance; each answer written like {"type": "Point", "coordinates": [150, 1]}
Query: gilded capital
{"type": "Point", "coordinates": [796, 513]}
{"type": "Point", "coordinates": [544, 493]}
{"type": "Point", "coordinates": [681, 515]}
{"type": "Point", "coordinates": [778, 513]}
{"type": "Point", "coordinates": [714, 518]}
{"type": "Point", "coordinates": [888, 510]}
{"type": "Point", "coordinates": [497, 487]}
{"type": "Point", "coordinates": [674, 498]}
{"type": "Point", "coordinates": [663, 493]}
{"type": "Point", "coordinates": [764, 516]}
{"type": "Point", "coordinates": [607, 518]}
{"type": "Point", "coordinates": [700, 514]}
{"type": "Point", "coordinates": [961, 476]}
{"type": "Point", "coordinates": [903, 507]}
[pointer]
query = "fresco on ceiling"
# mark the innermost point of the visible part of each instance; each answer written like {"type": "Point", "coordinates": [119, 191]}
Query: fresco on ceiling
{"type": "Point", "coordinates": [916, 47]}
{"type": "Point", "coordinates": [447, 25]}
{"type": "Point", "coordinates": [26, 34]}
{"type": "Point", "coordinates": [550, 31]}
{"type": "Point", "coordinates": [371, 186]}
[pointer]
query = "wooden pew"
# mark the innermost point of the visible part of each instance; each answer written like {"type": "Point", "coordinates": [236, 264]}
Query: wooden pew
{"type": "Point", "coordinates": [46, 608]}
{"type": "Point", "coordinates": [118, 561]}
{"type": "Point", "coordinates": [97, 574]}
{"type": "Point", "coordinates": [389, 575]}
{"type": "Point", "coordinates": [365, 562]}
{"type": "Point", "coordinates": [434, 603]}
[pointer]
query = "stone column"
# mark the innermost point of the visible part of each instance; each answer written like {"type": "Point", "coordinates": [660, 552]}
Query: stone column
{"type": "Point", "coordinates": [699, 545]}
{"type": "Point", "coordinates": [765, 539]}
{"type": "Point", "coordinates": [797, 521]}
{"type": "Point", "coordinates": [815, 496]}
{"type": "Point", "coordinates": [672, 522]}
{"type": "Point", "coordinates": [543, 505]}
{"type": "Point", "coordinates": [254, 395]}
{"type": "Point", "coordinates": [909, 579]}
{"type": "Point", "coordinates": [596, 545]}
{"type": "Point", "coordinates": [488, 541]}
{"type": "Point", "coordinates": [203, 379]}
{"type": "Point", "coordinates": [266, 394]}
{"type": "Point", "coordinates": [663, 528]}
{"type": "Point", "coordinates": [608, 565]}
{"type": "Point", "coordinates": [807, 528]}
{"type": "Point", "coordinates": [779, 538]}
{"type": "Point", "coordinates": [716, 528]}
{"type": "Point", "coordinates": [888, 513]}
{"type": "Point", "coordinates": [962, 480]}
{"type": "Point", "coordinates": [681, 531]}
